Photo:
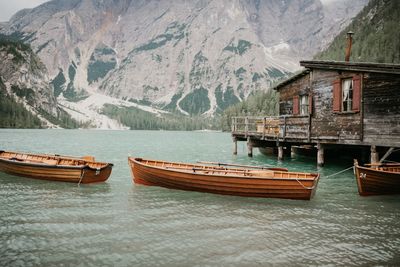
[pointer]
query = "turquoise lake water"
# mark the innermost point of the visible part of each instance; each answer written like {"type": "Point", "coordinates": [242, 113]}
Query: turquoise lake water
{"type": "Point", "coordinates": [119, 224]}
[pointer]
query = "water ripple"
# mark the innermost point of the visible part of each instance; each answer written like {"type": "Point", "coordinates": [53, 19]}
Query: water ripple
{"type": "Point", "coordinates": [122, 224]}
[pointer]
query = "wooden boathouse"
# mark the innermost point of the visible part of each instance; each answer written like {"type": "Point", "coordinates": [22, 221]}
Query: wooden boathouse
{"type": "Point", "coordinates": [330, 105]}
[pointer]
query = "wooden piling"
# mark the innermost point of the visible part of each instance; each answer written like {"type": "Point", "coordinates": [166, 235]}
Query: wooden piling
{"type": "Point", "coordinates": [280, 152]}
{"type": "Point", "coordinates": [249, 147]}
{"type": "Point", "coordinates": [234, 146]}
{"type": "Point", "coordinates": [374, 155]}
{"type": "Point", "coordinates": [320, 155]}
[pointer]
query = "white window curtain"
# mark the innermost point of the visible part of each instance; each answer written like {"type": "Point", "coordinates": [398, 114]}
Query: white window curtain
{"type": "Point", "coordinates": [304, 105]}
{"type": "Point", "coordinates": [346, 89]}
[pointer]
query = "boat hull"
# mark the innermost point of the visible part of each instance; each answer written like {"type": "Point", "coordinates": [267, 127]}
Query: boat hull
{"type": "Point", "coordinates": [64, 173]}
{"type": "Point", "coordinates": [226, 185]}
{"type": "Point", "coordinates": [371, 181]}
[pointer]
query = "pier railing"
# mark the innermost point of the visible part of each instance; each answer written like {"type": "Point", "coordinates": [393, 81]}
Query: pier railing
{"type": "Point", "coordinates": [282, 127]}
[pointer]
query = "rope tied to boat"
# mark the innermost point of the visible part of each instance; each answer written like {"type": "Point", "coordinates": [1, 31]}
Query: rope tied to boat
{"type": "Point", "coordinates": [80, 179]}
{"type": "Point", "coordinates": [312, 187]}
{"type": "Point", "coordinates": [305, 187]}
{"type": "Point", "coordinates": [339, 172]}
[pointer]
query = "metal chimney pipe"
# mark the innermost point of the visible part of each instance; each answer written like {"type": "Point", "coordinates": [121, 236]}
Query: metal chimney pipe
{"type": "Point", "coordinates": [349, 43]}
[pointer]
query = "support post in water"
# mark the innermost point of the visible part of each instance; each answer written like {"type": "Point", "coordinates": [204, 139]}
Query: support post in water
{"type": "Point", "coordinates": [249, 147]}
{"type": "Point", "coordinates": [288, 151]}
{"type": "Point", "coordinates": [280, 152]}
{"type": "Point", "coordinates": [234, 146]}
{"type": "Point", "coordinates": [374, 155]}
{"type": "Point", "coordinates": [320, 155]}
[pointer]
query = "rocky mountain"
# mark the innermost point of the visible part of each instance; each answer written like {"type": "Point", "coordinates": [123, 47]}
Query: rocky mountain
{"type": "Point", "coordinates": [24, 79]}
{"type": "Point", "coordinates": [188, 56]}
{"type": "Point", "coordinates": [376, 35]}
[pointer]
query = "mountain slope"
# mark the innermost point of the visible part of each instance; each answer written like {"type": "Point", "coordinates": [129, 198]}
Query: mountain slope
{"type": "Point", "coordinates": [27, 99]}
{"type": "Point", "coordinates": [376, 37]}
{"type": "Point", "coordinates": [188, 56]}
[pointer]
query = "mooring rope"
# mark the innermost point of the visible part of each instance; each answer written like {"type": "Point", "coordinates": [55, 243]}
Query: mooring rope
{"type": "Point", "coordinates": [305, 187]}
{"type": "Point", "coordinates": [80, 179]}
{"type": "Point", "coordinates": [339, 172]}
{"type": "Point", "coordinates": [312, 187]}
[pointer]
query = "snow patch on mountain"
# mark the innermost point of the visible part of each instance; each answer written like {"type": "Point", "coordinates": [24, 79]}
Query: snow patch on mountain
{"type": "Point", "coordinates": [89, 110]}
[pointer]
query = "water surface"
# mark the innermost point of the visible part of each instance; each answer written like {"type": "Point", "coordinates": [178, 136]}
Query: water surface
{"type": "Point", "coordinates": [117, 223]}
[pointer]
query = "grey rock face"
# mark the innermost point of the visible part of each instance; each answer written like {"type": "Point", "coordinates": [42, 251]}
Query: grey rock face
{"type": "Point", "coordinates": [26, 78]}
{"type": "Point", "coordinates": [194, 56]}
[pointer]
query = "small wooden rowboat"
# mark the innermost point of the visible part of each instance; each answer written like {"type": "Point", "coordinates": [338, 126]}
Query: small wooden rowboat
{"type": "Point", "coordinates": [377, 179]}
{"type": "Point", "coordinates": [54, 167]}
{"type": "Point", "coordinates": [222, 180]}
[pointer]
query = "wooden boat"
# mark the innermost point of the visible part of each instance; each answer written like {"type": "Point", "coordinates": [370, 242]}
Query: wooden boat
{"type": "Point", "coordinates": [54, 167]}
{"type": "Point", "coordinates": [377, 179]}
{"type": "Point", "coordinates": [223, 180]}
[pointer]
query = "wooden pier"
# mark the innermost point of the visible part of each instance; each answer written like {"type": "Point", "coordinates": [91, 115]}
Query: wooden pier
{"type": "Point", "coordinates": [282, 133]}
{"type": "Point", "coordinates": [330, 105]}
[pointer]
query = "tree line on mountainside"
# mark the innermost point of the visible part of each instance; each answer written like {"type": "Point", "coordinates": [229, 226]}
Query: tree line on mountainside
{"type": "Point", "coordinates": [137, 119]}
{"type": "Point", "coordinates": [257, 104]}
{"type": "Point", "coordinates": [13, 113]}
{"type": "Point", "coordinates": [376, 35]}
{"type": "Point", "coordinates": [376, 39]}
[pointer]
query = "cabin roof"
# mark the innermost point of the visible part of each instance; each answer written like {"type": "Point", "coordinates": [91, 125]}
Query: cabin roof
{"type": "Point", "coordinates": [340, 65]}
{"type": "Point", "coordinates": [291, 79]}
{"type": "Point", "coordinates": [352, 66]}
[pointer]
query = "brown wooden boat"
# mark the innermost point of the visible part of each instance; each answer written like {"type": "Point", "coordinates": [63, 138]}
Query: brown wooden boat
{"type": "Point", "coordinates": [377, 179]}
{"type": "Point", "coordinates": [54, 167]}
{"type": "Point", "coordinates": [223, 180]}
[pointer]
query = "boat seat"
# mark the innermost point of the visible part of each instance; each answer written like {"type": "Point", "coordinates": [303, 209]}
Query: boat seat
{"type": "Point", "coordinates": [266, 174]}
{"type": "Point", "coordinates": [50, 161]}
{"type": "Point", "coordinates": [17, 159]}
{"type": "Point", "coordinates": [88, 158]}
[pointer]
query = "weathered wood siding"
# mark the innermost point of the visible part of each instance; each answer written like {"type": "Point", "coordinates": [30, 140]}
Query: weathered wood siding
{"type": "Point", "coordinates": [341, 127]}
{"type": "Point", "coordinates": [296, 127]}
{"type": "Point", "coordinates": [381, 103]}
{"type": "Point", "coordinates": [289, 91]}
{"type": "Point", "coordinates": [326, 125]}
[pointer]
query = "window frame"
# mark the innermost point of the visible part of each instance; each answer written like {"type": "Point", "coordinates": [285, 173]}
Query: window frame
{"type": "Point", "coordinates": [353, 103]}
{"type": "Point", "coordinates": [304, 105]}
{"type": "Point", "coordinates": [346, 105]}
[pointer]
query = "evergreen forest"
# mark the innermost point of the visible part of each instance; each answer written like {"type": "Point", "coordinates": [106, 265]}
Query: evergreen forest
{"type": "Point", "coordinates": [376, 35]}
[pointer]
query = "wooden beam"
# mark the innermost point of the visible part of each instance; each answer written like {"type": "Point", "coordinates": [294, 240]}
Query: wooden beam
{"type": "Point", "coordinates": [249, 147]}
{"type": "Point", "coordinates": [387, 154]}
{"type": "Point", "coordinates": [309, 128]}
{"type": "Point", "coordinates": [280, 152]}
{"type": "Point", "coordinates": [246, 126]}
{"type": "Point", "coordinates": [234, 146]}
{"type": "Point", "coordinates": [320, 155]}
{"type": "Point", "coordinates": [264, 125]}
{"type": "Point", "coordinates": [284, 128]}
{"type": "Point", "coordinates": [374, 155]}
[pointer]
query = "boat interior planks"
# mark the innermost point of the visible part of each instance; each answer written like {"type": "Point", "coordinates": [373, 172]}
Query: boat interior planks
{"type": "Point", "coordinates": [242, 181]}
{"type": "Point", "coordinates": [377, 179]}
{"type": "Point", "coordinates": [55, 167]}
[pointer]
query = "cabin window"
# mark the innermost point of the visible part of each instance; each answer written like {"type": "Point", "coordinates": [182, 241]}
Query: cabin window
{"type": "Point", "coordinates": [347, 94]}
{"type": "Point", "coordinates": [304, 105]}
